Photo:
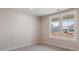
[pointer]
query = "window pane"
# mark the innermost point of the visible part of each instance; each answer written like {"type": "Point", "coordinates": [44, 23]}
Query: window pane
{"type": "Point", "coordinates": [68, 27]}
{"type": "Point", "coordinates": [55, 28]}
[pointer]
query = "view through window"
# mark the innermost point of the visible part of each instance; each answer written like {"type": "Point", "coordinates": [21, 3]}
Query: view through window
{"type": "Point", "coordinates": [68, 24]}
{"type": "Point", "coordinates": [63, 28]}
{"type": "Point", "coordinates": [55, 28]}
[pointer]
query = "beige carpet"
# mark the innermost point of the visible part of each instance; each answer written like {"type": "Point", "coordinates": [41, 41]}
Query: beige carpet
{"type": "Point", "coordinates": [41, 47]}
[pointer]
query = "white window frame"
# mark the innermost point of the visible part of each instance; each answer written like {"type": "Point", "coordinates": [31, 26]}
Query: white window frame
{"type": "Point", "coordinates": [50, 19]}
{"type": "Point", "coordinates": [61, 18]}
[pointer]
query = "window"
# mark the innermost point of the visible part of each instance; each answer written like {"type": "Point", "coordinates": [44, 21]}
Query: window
{"type": "Point", "coordinates": [68, 26]}
{"type": "Point", "coordinates": [63, 27]}
{"type": "Point", "coordinates": [55, 27]}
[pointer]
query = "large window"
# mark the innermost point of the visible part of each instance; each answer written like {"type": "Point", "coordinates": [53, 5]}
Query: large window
{"type": "Point", "coordinates": [55, 27]}
{"type": "Point", "coordinates": [68, 27]}
{"type": "Point", "coordinates": [63, 27]}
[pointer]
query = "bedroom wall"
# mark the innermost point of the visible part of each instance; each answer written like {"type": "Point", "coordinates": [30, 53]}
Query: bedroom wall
{"type": "Point", "coordinates": [18, 29]}
{"type": "Point", "coordinates": [74, 45]}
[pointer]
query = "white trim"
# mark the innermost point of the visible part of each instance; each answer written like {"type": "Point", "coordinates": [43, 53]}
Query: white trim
{"type": "Point", "coordinates": [16, 47]}
{"type": "Point", "coordinates": [72, 49]}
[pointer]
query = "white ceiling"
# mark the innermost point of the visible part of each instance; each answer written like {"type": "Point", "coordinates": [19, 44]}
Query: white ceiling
{"type": "Point", "coordinates": [40, 11]}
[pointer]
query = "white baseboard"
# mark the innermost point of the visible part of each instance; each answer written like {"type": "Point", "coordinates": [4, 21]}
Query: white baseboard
{"type": "Point", "coordinates": [31, 43]}
{"type": "Point", "coordinates": [13, 48]}
{"type": "Point", "coordinates": [74, 49]}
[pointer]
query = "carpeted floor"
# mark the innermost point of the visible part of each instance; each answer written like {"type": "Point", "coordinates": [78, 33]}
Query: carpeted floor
{"type": "Point", "coordinates": [41, 47]}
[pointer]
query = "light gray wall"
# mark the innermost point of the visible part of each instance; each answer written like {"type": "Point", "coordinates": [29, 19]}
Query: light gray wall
{"type": "Point", "coordinates": [74, 45]}
{"type": "Point", "coordinates": [17, 29]}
